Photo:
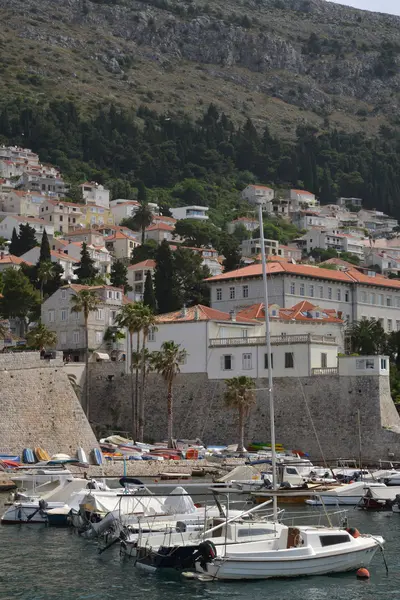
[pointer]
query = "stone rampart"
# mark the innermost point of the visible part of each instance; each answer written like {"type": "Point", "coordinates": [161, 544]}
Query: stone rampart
{"type": "Point", "coordinates": [38, 406]}
{"type": "Point", "coordinates": [328, 403]}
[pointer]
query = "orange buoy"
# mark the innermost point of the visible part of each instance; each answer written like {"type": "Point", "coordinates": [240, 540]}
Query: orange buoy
{"type": "Point", "coordinates": [363, 574]}
{"type": "Point", "coordinates": [353, 532]}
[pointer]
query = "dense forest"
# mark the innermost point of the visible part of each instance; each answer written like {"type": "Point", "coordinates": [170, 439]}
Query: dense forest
{"type": "Point", "coordinates": [205, 162]}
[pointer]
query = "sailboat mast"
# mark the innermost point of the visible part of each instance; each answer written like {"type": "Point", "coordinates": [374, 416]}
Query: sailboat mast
{"type": "Point", "coordinates": [269, 362]}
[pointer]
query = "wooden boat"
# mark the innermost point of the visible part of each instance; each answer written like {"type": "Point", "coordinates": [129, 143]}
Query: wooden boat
{"type": "Point", "coordinates": [293, 495]}
{"type": "Point", "coordinates": [175, 476]}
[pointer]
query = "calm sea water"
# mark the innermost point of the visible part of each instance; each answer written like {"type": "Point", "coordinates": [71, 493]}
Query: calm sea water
{"type": "Point", "coordinates": [39, 563]}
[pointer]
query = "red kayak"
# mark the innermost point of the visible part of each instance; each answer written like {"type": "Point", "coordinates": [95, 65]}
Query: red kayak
{"type": "Point", "coordinates": [10, 464]}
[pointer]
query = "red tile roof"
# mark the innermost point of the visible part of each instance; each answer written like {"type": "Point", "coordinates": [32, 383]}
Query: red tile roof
{"type": "Point", "coordinates": [144, 264]}
{"type": "Point", "coordinates": [22, 219]}
{"type": "Point", "coordinates": [302, 192]}
{"type": "Point", "coordinates": [200, 313]}
{"type": "Point", "coordinates": [299, 312]}
{"type": "Point", "coordinates": [352, 275]}
{"type": "Point", "coordinates": [10, 259]}
{"type": "Point", "coordinates": [160, 226]}
{"type": "Point", "coordinates": [62, 256]}
{"type": "Point", "coordinates": [261, 187]}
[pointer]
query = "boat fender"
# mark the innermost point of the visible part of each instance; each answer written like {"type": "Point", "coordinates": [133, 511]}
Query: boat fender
{"type": "Point", "coordinates": [206, 552]}
{"type": "Point", "coordinates": [353, 532]}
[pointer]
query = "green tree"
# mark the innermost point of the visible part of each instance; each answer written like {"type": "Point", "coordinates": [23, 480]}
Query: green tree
{"type": "Point", "coordinates": [142, 219]}
{"type": "Point", "coordinates": [145, 251]}
{"type": "Point", "coordinates": [40, 337]}
{"type": "Point", "coordinates": [27, 238]}
{"type": "Point", "coordinates": [45, 254]}
{"type": "Point", "coordinates": [240, 395]}
{"type": "Point", "coordinates": [167, 362]}
{"type": "Point", "coordinates": [45, 272]}
{"type": "Point", "coordinates": [167, 295]}
{"type": "Point", "coordinates": [119, 276]}
{"type": "Point", "coordinates": [129, 318]}
{"type": "Point", "coordinates": [19, 297]}
{"type": "Point", "coordinates": [188, 279]}
{"type": "Point", "coordinates": [149, 298]}
{"type": "Point", "coordinates": [85, 301]}
{"type": "Point", "coordinates": [198, 234]}
{"type": "Point", "coordinates": [86, 271]}
{"type": "Point", "coordinates": [141, 192]}
{"type": "Point", "coordinates": [367, 337]}
{"type": "Point", "coordinates": [229, 247]}
{"type": "Point", "coordinates": [191, 192]}
{"type": "Point", "coordinates": [14, 248]}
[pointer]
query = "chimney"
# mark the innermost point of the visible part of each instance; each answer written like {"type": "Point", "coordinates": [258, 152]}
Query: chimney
{"type": "Point", "coordinates": [232, 315]}
{"type": "Point", "coordinates": [184, 311]}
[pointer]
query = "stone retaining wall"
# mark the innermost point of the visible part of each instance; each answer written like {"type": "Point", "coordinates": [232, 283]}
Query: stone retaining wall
{"type": "Point", "coordinates": [329, 403]}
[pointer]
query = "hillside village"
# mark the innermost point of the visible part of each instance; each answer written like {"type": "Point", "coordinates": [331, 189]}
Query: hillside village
{"type": "Point", "coordinates": [339, 265]}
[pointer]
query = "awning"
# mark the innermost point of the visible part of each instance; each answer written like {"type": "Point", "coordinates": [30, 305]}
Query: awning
{"type": "Point", "coordinates": [101, 356]}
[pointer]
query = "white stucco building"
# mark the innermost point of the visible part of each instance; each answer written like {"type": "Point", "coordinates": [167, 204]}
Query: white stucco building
{"type": "Point", "coordinates": [199, 213]}
{"type": "Point", "coordinates": [351, 293]}
{"type": "Point", "coordinates": [12, 222]}
{"type": "Point", "coordinates": [94, 193]}
{"type": "Point", "coordinates": [137, 276]}
{"type": "Point", "coordinates": [66, 262]}
{"type": "Point", "coordinates": [255, 194]}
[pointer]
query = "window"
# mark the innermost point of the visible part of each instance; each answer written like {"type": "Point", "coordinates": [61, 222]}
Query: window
{"type": "Point", "coordinates": [380, 299]}
{"type": "Point", "coordinates": [219, 293]}
{"type": "Point", "coordinates": [397, 325]}
{"type": "Point", "coordinates": [339, 294]}
{"type": "Point", "coordinates": [51, 315]}
{"type": "Point", "coordinates": [292, 288]}
{"type": "Point", "coordinates": [152, 335]}
{"type": "Point", "coordinates": [118, 295]}
{"type": "Point", "coordinates": [138, 275]}
{"type": "Point", "coordinates": [390, 325]}
{"type": "Point", "coordinates": [245, 333]}
{"type": "Point", "coordinates": [227, 362]}
{"type": "Point", "coordinates": [329, 293]}
{"type": "Point", "coordinates": [372, 298]}
{"type": "Point", "coordinates": [138, 288]}
{"type": "Point", "coordinates": [289, 360]}
{"type": "Point", "coordinates": [99, 314]}
{"type": "Point", "coordinates": [232, 293]}
{"type": "Point", "coordinates": [324, 360]}
{"type": "Point", "coordinates": [63, 294]}
{"type": "Point", "coordinates": [245, 291]}
{"type": "Point", "coordinates": [389, 301]}
{"type": "Point", "coordinates": [331, 540]}
{"type": "Point", "coordinates": [75, 315]}
{"type": "Point", "coordinates": [63, 338]}
{"type": "Point", "coordinates": [398, 302]}
{"type": "Point", "coordinates": [75, 337]}
{"type": "Point", "coordinates": [321, 291]}
{"type": "Point", "coordinates": [109, 294]}
{"type": "Point", "coordinates": [302, 289]}
{"type": "Point", "coordinates": [363, 297]}
{"type": "Point", "coordinates": [312, 291]}
{"type": "Point", "coordinates": [246, 362]}
{"type": "Point", "coordinates": [347, 296]}
{"type": "Point", "coordinates": [383, 363]}
{"type": "Point", "coordinates": [266, 361]}
{"type": "Point", "coordinates": [99, 337]}
{"type": "Point", "coordinates": [64, 314]}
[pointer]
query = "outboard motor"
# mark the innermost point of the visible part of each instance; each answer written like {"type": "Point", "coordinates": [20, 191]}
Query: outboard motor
{"type": "Point", "coordinates": [206, 552]}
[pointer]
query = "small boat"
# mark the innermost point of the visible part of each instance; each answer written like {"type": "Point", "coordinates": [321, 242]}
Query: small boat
{"type": "Point", "coordinates": [348, 493]}
{"type": "Point", "coordinates": [198, 473]}
{"type": "Point", "coordinates": [28, 456]}
{"type": "Point", "coordinates": [380, 498]}
{"type": "Point", "coordinates": [97, 456]}
{"type": "Point", "coordinates": [175, 476]}
{"type": "Point", "coordinates": [41, 454]}
{"type": "Point", "coordinates": [6, 484]}
{"type": "Point", "coordinates": [58, 517]}
{"type": "Point", "coordinates": [82, 456]}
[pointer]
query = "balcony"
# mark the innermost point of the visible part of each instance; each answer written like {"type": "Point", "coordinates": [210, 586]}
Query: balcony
{"type": "Point", "coordinates": [276, 340]}
{"type": "Point", "coordinates": [325, 371]}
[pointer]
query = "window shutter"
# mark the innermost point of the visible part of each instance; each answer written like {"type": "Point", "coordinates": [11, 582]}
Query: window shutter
{"type": "Point", "coordinates": [222, 363]}
{"type": "Point", "coordinates": [232, 362]}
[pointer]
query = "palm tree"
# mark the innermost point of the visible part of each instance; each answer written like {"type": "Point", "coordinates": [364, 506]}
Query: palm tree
{"type": "Point", "coordinates": [129, 318]}
{"type": "Point", "coordinates": [40, 337]}
{"type": "Point", "coordinates": [366, 337]}
{"type": "Point", "coordinates": [240, 394]}
{"type": "Point", "coordinates": [142, 218]}
{"type": "Point", "coordinates": [85, 301]}
{"type": "Point", "coordinates": [46, 272]}
{"type": "Point", "coordinates": [148, 321]}
{"type": "Point", "coordinates": [167, 362]}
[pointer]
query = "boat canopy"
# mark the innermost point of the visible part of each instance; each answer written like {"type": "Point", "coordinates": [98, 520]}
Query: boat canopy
{"type": "Point", "coordinates": [384, 493]}
{"type": "Point", "coordinates": [241, 473]}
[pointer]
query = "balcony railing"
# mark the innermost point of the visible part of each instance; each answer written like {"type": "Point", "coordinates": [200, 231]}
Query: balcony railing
{"type": "Point", "coordinates": [276, 340]}
{"type": "Point", "coordinates": [325, 371]}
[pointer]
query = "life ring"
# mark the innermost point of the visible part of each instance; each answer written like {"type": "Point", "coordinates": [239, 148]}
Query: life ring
{"type": "Point", "coordinates": [353, 532]}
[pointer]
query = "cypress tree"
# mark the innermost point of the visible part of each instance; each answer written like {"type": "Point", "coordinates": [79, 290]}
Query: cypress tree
{"type": "Point", "coordinates": [119, 275]}
{"type": "Point", "coordinates": [86, 271]}
{"type": "Point", "coordinates": [45, 255]}
{"type": "Point", "coordinates": [165, 280]}
{"type": "Point", "coordinates": [27, 239]}
{"type": "Point", "coordinates": [149, 298]}
{"type": "Point", "coordinates": [14, 246]}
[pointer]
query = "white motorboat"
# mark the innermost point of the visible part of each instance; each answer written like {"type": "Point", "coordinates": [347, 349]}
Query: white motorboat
{"type": "Point", "coordinates": [291, 552]}
{"type": "Point", "coordinates": [32, 509]}
{"type": "Point", "coordinates": [349, 494]}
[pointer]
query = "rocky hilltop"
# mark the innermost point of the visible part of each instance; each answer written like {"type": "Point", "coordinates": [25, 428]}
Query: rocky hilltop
{"type": "Point", "coordinates": [277, 61]}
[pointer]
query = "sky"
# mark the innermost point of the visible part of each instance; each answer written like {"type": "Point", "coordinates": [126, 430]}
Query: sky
{"type": "Point", "coordinates": [388, 6]}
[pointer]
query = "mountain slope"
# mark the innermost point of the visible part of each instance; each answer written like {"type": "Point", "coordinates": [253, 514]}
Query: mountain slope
{"type": "Point", "coordinates": [281, 62]}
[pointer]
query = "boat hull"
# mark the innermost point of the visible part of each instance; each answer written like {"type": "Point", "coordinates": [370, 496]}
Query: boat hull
{"type": "Point", "coordinates": [335, 501]}
{"type": "Point", "coordinates": [26, 513]}
{"type": "Point", "coordinates": [234, 569]}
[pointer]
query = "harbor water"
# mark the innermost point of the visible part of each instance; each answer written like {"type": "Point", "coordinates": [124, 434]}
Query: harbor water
{"type": "Point", "coordinates": [41, 563]}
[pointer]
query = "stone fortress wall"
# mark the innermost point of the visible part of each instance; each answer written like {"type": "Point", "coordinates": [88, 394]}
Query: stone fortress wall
{"type": "Point", "coordinates": [38, 406]}
{"type": "Point", "coordinates": [332, 401]}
